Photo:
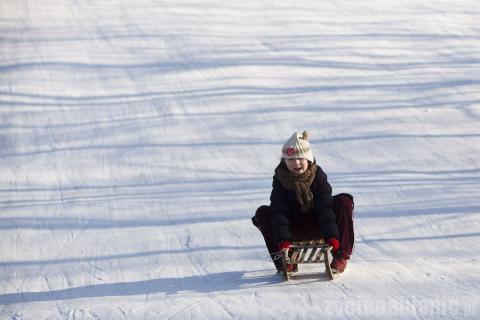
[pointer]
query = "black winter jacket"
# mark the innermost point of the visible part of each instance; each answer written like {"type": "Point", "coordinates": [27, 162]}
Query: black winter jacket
{"type": "Point", "coordinates": [284, 204]}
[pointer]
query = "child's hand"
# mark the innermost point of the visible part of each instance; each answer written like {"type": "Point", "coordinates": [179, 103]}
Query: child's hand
{"type": "Point", "coordinates": [285, 244]}
{"type": "Point", "coordinates": [334, 243]}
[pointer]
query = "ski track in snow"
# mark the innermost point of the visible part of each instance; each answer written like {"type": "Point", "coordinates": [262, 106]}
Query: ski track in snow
{"type": "Point", "coordinates": [138, 138]}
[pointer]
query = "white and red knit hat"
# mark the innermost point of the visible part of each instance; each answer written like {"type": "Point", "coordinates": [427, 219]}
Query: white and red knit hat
{"type": "Point", "coordinates": [297, 146]}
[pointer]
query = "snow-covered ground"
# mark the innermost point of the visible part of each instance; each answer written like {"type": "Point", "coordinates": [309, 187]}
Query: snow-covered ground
{"type": "Point", "coordinates": [138, 137]}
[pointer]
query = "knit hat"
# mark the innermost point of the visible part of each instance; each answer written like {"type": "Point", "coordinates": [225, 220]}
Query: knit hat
{"type": "Point", "coordinates": [297, 146]}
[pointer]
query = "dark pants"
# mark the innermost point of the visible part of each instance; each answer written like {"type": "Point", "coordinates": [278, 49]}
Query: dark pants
{"type": "Point", "coordinates": [308, 228]}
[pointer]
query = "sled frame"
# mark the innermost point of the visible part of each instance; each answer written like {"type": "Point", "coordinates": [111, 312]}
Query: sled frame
{"type": "Point", "coordinates": [307, 251]}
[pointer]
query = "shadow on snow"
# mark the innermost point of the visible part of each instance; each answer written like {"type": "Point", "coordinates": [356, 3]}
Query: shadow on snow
{"type": "Point", "coordinates": [216, 282]}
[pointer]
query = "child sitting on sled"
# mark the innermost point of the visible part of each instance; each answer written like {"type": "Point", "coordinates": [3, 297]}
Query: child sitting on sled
{"type": "Point", "coordinates": [302, 207]}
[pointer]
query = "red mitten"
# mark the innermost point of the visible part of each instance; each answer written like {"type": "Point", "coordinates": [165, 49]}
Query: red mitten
{"type": "Point", "coordinates": [334, 243]}
{"type": "Point", "coordinates": [285, 244]}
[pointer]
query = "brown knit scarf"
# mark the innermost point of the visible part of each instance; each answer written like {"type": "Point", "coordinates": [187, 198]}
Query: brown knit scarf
{"type": "Point", "coordinates": [299, 183]}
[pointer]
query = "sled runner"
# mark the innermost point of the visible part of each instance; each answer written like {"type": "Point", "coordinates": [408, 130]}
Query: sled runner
{"type": "Point", "coordinates": [306, 251]}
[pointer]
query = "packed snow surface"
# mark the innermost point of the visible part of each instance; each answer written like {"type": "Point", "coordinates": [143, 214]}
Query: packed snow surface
{"type": "Point", "coordinates": [137, 138]}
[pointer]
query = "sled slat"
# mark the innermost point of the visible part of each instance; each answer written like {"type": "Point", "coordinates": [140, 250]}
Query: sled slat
{"type": "Point", "coordinates": [312, 254]}
{"type": "Point", "coordinates": [294, 255]}
{"type": "Point", "coordinates": [319, 256]}
{"type": "Point", "coordinates": [302, 255]}
{"type": "Point", "coordinates": [305, 249]}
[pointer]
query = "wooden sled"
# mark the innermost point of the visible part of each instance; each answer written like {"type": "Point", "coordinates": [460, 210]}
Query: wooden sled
{"type": "Point", "coordinates": [307, 251]}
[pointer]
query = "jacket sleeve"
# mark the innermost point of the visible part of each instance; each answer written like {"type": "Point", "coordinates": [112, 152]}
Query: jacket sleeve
{"type": "Point", "coordinates": [279, 212]}
{"type": "Point", "coordinates": [323, 205]}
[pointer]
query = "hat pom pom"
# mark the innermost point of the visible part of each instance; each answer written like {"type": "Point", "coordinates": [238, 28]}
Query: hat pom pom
{"type": "Point", "coordinates": [305, 135]}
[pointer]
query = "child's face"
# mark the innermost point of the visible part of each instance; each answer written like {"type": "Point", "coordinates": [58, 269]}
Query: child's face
{"type": "Point", "coordinates": [297, 166]}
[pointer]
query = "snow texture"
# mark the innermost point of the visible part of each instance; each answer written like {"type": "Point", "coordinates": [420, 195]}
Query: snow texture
{"type": "Point", "coordinates": [137, 138]}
